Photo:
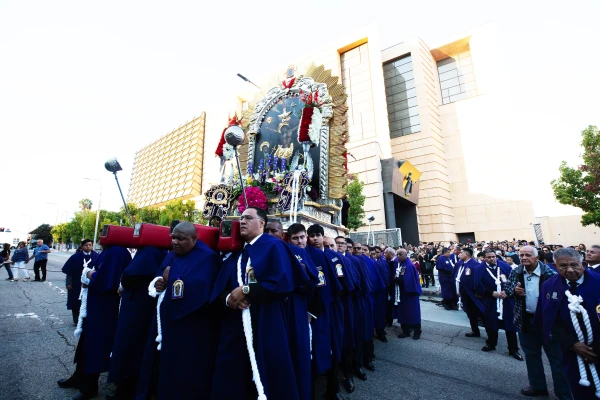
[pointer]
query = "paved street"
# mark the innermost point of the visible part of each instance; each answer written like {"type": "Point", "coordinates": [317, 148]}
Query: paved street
{"type": "Point", "coordinates": [38, 346]}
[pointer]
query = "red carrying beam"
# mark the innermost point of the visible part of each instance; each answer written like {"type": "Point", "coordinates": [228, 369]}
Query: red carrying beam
{"type": "Point", "coordinates": [209, 236]}
{"type": "Point", "coordinates": [114, 235]}
{"type": "Point", "coordinates": [145, 235]}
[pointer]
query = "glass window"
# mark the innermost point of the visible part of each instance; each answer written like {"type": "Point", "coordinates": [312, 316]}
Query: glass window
{"type": "Point", "coordinates": [401, 97]}
{"type": "Point", "coordinates": [457, 80]}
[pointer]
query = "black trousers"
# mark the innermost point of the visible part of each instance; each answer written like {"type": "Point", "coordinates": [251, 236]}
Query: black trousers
{"type": "Point", "coordinates": [75, 312]}
{"type": "Point", "coordinates": [347, 361]}
{"type": "Point", "coordinates": [36, 269]}
{"type": "Point", "coordinates": [407, 328]}
{"type": "Point", "coordinates": [87, 383]}
{"type": "Point", "coordinates": [511, 339]}
{"type": "Point", "coordinates": [472, 311]}
{"type": "Point", "coordinates": [428, 276]}
{"type": "Point", "coordinates": [333, 384]}
{"type": "Point", "coordinates": [126, 389]}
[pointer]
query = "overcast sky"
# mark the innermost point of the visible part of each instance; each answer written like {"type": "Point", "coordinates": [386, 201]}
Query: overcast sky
{"type": "Point", "coordinates": [81, 82]}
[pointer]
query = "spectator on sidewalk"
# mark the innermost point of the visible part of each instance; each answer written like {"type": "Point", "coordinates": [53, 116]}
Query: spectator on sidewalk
{"type": "Point", "coordinates": [5, 254]}
{"type": "Point", "coordinates": [40, 253]}
{"type": "Point", "coordinates": [20, 258]}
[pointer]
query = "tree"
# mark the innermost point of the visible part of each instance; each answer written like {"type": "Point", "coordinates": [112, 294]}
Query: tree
{"type": "Point", "coordinates": [356, 213]}
{"type": "Point", "coordinates": [61, 233]}
{"type": "Point", "coordinates": [581, 187]}
{"type": "Point", "coordinates": [85, 204]}
{"type": "Point", "coordinates": [177, 209]}
{"type": "Point", "coordinates": [43, 232]}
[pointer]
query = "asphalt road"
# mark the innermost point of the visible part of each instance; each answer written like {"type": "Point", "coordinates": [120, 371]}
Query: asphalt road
{"type": "Point", "coordinates": [37, 347]}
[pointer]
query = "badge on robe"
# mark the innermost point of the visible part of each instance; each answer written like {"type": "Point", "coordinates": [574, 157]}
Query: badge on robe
{"type": "Point", "coordinates": [503, 278]}
{"type": "Point", "coordinates": [554, 296]}
{"type": "Point", "coordinates": [321, 279]}
{"type": "Point", "coordinates": [339, 270]}
{"type": "Point", "coordinates": [598, 311]}
{"type": "Point", "coordinates": [468, 272]}
{"type": "Point", "coordinates": [402, 271]}
{"type": "Point", "coordinates": [177, 289]}
{"type": "Point", "coordinates": [250, 277]}
{"type": "Point", "coordinates": [548, 295]}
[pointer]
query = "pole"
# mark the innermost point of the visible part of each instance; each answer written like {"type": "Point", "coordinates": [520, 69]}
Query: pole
{"type": "Point", "coordinates": [237, 159]}
{"type": "Point", "coordinates": [97, 217]}
{"type": "Point", "coordinates": [123, 198]}
{"type": "Point", "coordinates": [369, 234]}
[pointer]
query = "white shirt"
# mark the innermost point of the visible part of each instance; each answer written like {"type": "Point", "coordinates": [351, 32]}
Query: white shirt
{"type": "Point", "coordinates": [532, 288]}
{"type": "Point", "coordinates": [594, 267]}
{"type": "Point", "coordinates": [245, 244]}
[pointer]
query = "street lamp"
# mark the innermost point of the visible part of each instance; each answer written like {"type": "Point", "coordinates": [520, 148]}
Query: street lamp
{"type": "Point", "coordinates": [113, 166]}
{"type": "Point", "coordinates": [97, 208]}
{"type": "Point", "coordinates": [370, 219]}
{"type": "Point", "coordinates": [56, 218]}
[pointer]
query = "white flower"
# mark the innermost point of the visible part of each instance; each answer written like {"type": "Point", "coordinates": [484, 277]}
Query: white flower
{"type": "Point", "coordinates": [228, 151]}
{"type": "Point", "coordinates": [314, 130]}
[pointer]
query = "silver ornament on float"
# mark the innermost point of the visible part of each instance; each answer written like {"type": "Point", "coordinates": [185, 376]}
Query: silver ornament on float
{"type": "Point", "coordinates": [234, 135]}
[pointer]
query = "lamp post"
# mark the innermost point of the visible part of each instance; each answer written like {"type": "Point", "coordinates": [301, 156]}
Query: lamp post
{"type": "Point", "coordinates": [370, 219]}
{"type": "Point", "coordinates": [56, 218]}
{"type": "Point", "coordinates": [97, 208]}
{"type": "Point", "coordinates": [113, 166]}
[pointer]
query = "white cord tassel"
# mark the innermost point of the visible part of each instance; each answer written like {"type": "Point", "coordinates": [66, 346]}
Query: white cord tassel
{"type": "Point", "coordinates": [397, 288]}
{"type": "Point", "coordinates": [247, 321]}
{"type": "Point", "coordinates": [575, 308]}
{"type": "Point", "coordinates": [153, 293]}
{"type": "Point", "coordinates": [458, 276]}
{"type": "Point", "coordinates": [499, 302]}
{"type": "Point", "coordinates": [295, 197]}
{"type": "Point", "coordinates": [310, 335]}
{"type": "Point", "coordinates": [83, 297]}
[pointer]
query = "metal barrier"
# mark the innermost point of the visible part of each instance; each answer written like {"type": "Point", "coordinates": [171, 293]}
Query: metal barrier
{"type": "Point", "coordinates": [390, 237]}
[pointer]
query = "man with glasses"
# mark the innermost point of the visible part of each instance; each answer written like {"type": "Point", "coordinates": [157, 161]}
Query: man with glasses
{"type": "Point", "coordinates": [524, 286]}
{"type": "Point", "coordinates": [256, 354]}
{"type": "Point", "coordinates": [566, 299]}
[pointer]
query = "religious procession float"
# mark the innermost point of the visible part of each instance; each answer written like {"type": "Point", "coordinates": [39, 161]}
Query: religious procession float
{"type": "Point", "coordinates": [286, 154]}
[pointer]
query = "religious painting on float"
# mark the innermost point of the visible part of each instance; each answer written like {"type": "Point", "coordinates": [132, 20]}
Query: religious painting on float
{"type": "Point", "coordinates": [296, 156]}
{"type": "Point", "coordinates": [410, 178]}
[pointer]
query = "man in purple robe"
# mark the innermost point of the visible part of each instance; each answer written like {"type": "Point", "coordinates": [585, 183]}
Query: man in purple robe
{"type": "Point", "coordinates": [445, 273]}
{"type": "Point", "coordinates": [72, 269]}
{"type": "Point", "coordinates": [571, 312]}
{"type": "Point", "coordinates": [407, 290]}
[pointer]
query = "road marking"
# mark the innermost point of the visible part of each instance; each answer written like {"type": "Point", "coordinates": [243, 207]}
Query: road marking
{"type": "Point", "coordinates": [58, 289]}
{"type": "Point", "coordinates": [27, 315]}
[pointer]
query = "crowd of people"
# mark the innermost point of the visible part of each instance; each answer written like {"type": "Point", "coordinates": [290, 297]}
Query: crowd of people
{"type": "Point", "coordinates": [286, 307]}
{"type": "Point", "coordinates": [20, 258]}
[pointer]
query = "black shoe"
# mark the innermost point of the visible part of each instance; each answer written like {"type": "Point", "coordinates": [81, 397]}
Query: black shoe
{"type": "Point", "coordinates": [531, 392]}
{"type": "Point", "coordinates": [417, 336]}
{"type": "Point", "coordinates": [488, 348]}
{"type": "Point", "coordinates": [360, 374]}
{"type": "Point", "coordinates": [348, 385]}
{"type": "Point", "coordinates": [472, 334]}
{"type": "Point", "coordinates": [516, 355]}
{"type": "Point", "coordinates": [66, 383]}
{"type": "Point", "coordinates": [43, 280]}
{"type": "Point", "coordinates": [370, 366]}
{"type": "Point", "coordinates": [81, 396]}
{"type": "Point", "coordinates": [403, 335]}
{"type": "Point", "coordinates": [37, 280]}
{"type": "Point", "coordinates": [447, 307]}
{"type": "Point", "coordinates": [382, 338]}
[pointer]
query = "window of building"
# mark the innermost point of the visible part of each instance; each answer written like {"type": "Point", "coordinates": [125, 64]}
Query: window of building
{"type": "Point", "coordinates": [401, 95]}
{"type": "Point", "coordinates": [457, 80]}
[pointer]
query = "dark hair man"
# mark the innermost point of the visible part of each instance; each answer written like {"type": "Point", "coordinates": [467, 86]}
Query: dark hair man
{"type": "Point", "coordinates": [570, 309]}
{"type": "Point", "coordinates": [445, 274]}
{"type": "Point", "coordinates": [72, 269]}
{"type": "Point", "coordinates": [524, 285]}
{"type": "Point", "coordinates": [297, 235]}
{"type": "Point", "coordinates": [592, 257]}
{"type": "Point", "coordinates": [406, 296]}
{"type": "Point", "coordinates": [263, 275]}
{"type": "Point", "coordinates": [470, 301]}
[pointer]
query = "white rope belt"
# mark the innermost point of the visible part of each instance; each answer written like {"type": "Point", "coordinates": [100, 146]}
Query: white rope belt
{"type": "Point", "coordinates": [460, 271]}
{"type": "Point", "coordinates": [83, 295]}
{"type": "Point", "coordinates": [295, 197]}
{"type": "Point", "coordinates": [499, 303]}
{"type": "Point", "coordinates": [575, 307]}
{"type": "Point", "coordinates": [247, 321]}
{"type": "Point", "coordinates": [397, 288]}
{"type": "Point", "coordinates": [153, 293]}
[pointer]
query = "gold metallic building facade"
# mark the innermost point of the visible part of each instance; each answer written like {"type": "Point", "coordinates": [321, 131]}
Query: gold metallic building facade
{"type": "Point", "coordinates": [169, 168]}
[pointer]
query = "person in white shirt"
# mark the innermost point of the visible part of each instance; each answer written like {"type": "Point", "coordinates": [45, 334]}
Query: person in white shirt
{"type": "Point", "coordinates": [592, 256]}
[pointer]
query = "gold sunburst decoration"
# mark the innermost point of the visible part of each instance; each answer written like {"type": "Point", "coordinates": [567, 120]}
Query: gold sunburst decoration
{"type": "Point", "coordinates": [338, 126]}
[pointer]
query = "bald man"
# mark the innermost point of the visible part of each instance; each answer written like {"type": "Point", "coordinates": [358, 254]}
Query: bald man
{"type": "Point", "coordinates": [190, 327]}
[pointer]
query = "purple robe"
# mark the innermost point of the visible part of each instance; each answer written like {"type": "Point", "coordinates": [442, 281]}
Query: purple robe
{"type": "Point", "coordinates": [445, 274]}
{"type": "Point", "coordinates": [409, 308]}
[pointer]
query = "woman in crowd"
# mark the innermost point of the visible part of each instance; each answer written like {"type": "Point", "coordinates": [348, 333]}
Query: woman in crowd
{"type": "Point", "coordinates": [20, 258]}
{"type": "Point", "coordinates": [5, 255]}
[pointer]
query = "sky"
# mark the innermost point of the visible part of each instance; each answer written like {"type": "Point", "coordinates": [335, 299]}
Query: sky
{"type": "Point", "coordinates": [82, 82]}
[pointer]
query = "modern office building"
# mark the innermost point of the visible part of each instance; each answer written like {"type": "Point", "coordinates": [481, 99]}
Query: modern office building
{"type": "Point", "coordinates": [169, 168]}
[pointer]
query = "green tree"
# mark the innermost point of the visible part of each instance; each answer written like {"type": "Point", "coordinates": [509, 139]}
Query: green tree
{"type": "Point", "coordinates": [579, 187]}
{"type": "Point", "coordinates": [177, 209]}
{"type": "Point", "coordinates": [61, 233]}
{"type": "Point", "coordinates": [43, 232]}
{"type": "Point", "coordinates": [356, 213]}
{"type": "Point", "coordinates": [85, 204]}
